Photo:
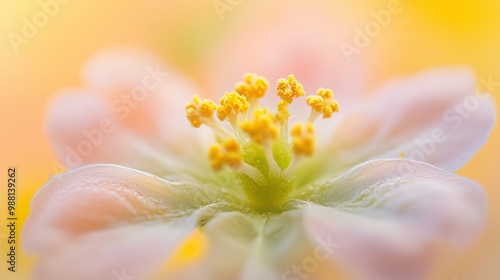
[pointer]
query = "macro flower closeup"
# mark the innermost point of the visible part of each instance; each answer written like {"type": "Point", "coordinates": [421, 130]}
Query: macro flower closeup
{"type": "Point", "coordinates": [281, 182]}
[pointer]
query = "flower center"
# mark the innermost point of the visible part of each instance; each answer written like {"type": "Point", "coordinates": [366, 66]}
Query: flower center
{"type": "Point", "coordinates": [259, 148]}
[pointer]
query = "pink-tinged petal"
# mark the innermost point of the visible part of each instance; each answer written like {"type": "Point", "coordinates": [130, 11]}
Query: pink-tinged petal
{"type": "Point", "coordinates": [369, 249]}
{"type": "Point", "coordinates": [287, 37]}
{"type": "Point", "coordinates": [391, 217]}
{"type": "Point", "coordinates": [82, 130]}
{"type": "Point", "coordinates": [99, 197]}
{"type": "Point", "coordinates": [133, 114]}
{"type": "Point", "coordinates": [436, 117]}
{"type": "Point", "coordinates": [113, 70]}
{"type": "Point", "coordinates": [130, 250]}
{"type": "Point", "coordinates": [144, 93]}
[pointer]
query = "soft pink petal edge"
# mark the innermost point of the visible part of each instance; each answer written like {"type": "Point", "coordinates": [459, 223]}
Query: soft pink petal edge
{"type": "Point", "coordinates": [142, 91]}
{"type": "Point", "coordinates": [415, 118]}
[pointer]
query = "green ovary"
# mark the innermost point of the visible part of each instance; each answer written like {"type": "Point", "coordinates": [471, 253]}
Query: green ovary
{"type": "Point", "coordinates": [267, 193]}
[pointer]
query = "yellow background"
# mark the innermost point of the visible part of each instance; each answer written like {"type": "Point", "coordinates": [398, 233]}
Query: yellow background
{"type": "Point", "coordinates": [427, 33]}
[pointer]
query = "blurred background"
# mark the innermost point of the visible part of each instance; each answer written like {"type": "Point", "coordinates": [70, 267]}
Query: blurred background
{"type": "Point", "coordinates": [207, 39]}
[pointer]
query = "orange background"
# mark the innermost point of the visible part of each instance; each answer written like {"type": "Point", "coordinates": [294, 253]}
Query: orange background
{"type": "Point", "coordinates": [428, 33]}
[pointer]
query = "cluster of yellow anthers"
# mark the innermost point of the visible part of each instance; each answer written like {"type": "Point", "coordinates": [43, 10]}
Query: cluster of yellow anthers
{"type": "Point", "coordinates": [322, 103]}
{"type": "Point", "coordinates": [303, 139]}
{"type": "Point", "coordinates": [262, 127]}
{"type": "Point", "coordinates": [199, 111]}
{"type": "Point", "coordinates": [227, 153]}
{"type": "Point", "coordinates": [253, 88]}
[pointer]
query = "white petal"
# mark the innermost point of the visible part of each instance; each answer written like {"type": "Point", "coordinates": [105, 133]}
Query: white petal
{"type": "Point", "coordinates": [390, 216]}
{"type": "Point", "coordinates": [134, 250]}
{"type": "Point", "coordinates": [259, 247]}
{"type": "Point", "coordinates": [98, 197]}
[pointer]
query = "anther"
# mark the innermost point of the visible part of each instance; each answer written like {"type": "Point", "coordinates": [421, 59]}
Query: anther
{"type": "Point", "coordinates": [262, 128]}
{"type": "Point", "coordinates": [322, 103]}
{"type": "Point", "coordinates": [199, 111]}
{"type": "Point", "coordinates": [289, 88]}
{"type": "Point", "coordinates": [226, 154]}
{"type": "Point", "coordinates": [253, 88]}
{"type": "Point", "coordinates": [303, 139]}
{"type": "Point", "coordinates": [230, 106]}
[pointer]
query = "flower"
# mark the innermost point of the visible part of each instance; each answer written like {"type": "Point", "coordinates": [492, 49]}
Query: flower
{"type": "Point", "coordinates": [377, 197]}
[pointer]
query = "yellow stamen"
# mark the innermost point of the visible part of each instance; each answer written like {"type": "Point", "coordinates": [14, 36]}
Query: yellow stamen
{"type": "Point", "coordinates": [303, 140]}
{"type": "Point", "coordinates": [322, 103]}
{"type": "Point", "coordinates": [259, 151]}
{"type": "Point", "coordinates": [253, 88]}
{"type": "Point", "coordinates": [282, 113]}
{"type": "Point", "coordinates": [289, 88]}
{"type": "Point", "coordinates": [262, 128]}
{"type": "Point", "coordinates": [198, 110]}
{"type": "Point", "coordinates": [227, 154]}
{"type": "Point", "coordinates": [231, 105]}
